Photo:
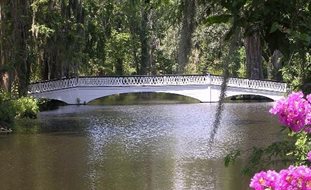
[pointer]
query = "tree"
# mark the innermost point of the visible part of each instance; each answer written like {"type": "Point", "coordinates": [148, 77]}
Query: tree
{"type": "Point", "coordinates": [253, 56]}
{"type": "Point", "coordinates": [144, 38]}
{"type": "Point", "coordinates": [188, 26]}
{"type": "Point", "coordinates": [52, 39]}
{"type": "Point", "coordinates": [4, 53]}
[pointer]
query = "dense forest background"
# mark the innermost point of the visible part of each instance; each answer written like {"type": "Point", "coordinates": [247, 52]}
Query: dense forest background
{"type": "Point", "coordinates": [53, 39]}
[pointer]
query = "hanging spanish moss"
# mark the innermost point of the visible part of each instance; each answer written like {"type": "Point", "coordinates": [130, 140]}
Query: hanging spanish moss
{"type": "Point", "coordinates": [220, 107]}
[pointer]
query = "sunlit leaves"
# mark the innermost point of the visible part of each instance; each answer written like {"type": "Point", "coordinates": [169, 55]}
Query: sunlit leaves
{"type": "Point", "coordinates": [218, 19]}
{"type": "Point", "coordinates": [43, 30]}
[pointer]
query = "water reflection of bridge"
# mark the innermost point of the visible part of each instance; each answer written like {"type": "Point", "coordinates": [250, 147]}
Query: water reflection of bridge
{"type": "Point", "coordinates": [205, 88]}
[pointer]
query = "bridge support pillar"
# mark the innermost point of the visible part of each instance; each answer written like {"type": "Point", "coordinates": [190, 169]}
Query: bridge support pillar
{"type": "Point", "coordinates": [204, 95]}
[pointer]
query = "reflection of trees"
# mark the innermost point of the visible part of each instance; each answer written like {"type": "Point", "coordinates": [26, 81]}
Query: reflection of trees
{"type": "Point", "coordinates": [69, 123]}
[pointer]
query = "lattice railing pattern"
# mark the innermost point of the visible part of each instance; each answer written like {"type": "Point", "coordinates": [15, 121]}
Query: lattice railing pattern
{"type": "Point", "coordinates": [132, 81]}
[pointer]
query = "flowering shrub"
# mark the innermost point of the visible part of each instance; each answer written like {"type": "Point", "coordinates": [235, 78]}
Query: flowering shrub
{"type": "Point", "coordinates": [264, 180]}
{"type": "Point", "coordinates": [295, 113]}
{"type": "Point", "coordinates": [293, 178]}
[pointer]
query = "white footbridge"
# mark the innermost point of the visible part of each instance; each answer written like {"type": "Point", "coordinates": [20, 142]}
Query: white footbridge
{"type": "Point", "coordinates": [205, 88]}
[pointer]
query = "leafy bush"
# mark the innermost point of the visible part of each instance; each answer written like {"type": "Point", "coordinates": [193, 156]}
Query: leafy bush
{"type": "Point", "coordinates": [26, 107]}
{"type": "Point", "coordinates": [7, 109]}
{"type": "Point", "coordinates": [7, 113]}
{"type": "Point", "coordinates": [295, 113]}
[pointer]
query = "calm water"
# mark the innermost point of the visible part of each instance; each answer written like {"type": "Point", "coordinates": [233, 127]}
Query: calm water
{"type": "Point", "coordinates": [142, 147]}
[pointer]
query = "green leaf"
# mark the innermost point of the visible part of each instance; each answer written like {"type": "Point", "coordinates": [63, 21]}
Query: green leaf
{"type": "Point", "coordinates": [231, 157]}
{"type": "Point", "coordinates": [275, 26]}
{"type": "Point", "coordinates": [217, 19]}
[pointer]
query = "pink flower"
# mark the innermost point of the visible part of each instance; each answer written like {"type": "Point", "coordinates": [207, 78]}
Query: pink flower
{"type": "Point", "coordinates": [294, 177]}
{"type": "Point", "coordinates": [308, 117]}
{"type": "Point", "coordinates": [264, 180]}
{"type": "Point", "coordinates": [294, 112]}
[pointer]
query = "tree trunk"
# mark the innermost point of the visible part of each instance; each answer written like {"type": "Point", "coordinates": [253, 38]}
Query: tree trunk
{"type": "Point", "coordinates": [253, 57]}
{"type": "Point", "coordinates": [144, 38]}
{"type": "Point", "coordinates": [4, 49]}
{"type": "Point", "coordinates": [21, 26]}
{"type": "Point", "coordinates": [185, 41]}
{"type": "Point", "coordinates": [2, 72]}
{"type": "Point", "coordinates": [136, 60]}
{"type": "Point", "coordinates": [276, 62]}
{"type": "Point", "coordinates": [153, 45]}
{"type": "Point", "coordinates": [134, 50]}
{"type": "Point", "coordinates": [119, 66]}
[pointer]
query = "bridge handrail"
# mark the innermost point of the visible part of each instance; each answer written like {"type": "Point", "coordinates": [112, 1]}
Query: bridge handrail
{"type": "Point", "coordinates": [112, 81]}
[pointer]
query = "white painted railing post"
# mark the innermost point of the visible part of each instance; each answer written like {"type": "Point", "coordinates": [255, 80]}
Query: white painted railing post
{"type": "Point", "coordinates": [209, 88]}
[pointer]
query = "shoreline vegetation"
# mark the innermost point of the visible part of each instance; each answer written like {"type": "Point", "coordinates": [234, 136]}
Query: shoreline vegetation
{"type": "Point", "coordinates": [12, 108]}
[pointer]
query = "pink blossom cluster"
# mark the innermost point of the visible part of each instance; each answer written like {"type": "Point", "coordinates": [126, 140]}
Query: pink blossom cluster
{"type": "Point", "coordinates": [293, 178]}
{"type": "Point", "coordinates": [294, 112]}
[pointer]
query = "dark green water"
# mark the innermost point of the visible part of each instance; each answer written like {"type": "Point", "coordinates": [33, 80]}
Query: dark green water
{"type": "Point", "coordinates": [134, 147]}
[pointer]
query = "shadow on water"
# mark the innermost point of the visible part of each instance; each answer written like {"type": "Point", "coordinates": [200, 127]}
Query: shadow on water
{"type": "Point", "coordinates": [46, 105]}
{"type": "Point", "coordinates": [247, 99]}
{"type": "Point", "coordinates": [143, 98]}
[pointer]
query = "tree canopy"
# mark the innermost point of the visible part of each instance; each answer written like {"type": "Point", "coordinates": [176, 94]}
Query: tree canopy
{"type": "Point", "coordinates": [53, 39]}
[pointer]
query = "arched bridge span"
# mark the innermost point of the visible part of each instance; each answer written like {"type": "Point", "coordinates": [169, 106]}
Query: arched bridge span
{"type": "Point", "coordinates": [205, 88]}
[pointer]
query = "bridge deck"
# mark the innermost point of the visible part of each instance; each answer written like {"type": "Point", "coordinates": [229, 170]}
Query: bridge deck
{"type": "Point", "coordinates": [132, 81]}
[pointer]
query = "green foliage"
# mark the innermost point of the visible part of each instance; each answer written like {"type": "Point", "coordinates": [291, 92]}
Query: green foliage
{"type": "Point", "coordinates": [211, 47]}
{"type": "Point", "coordinates": [292, 151]}
{"type": "Point", "coordinates": [26, 107]}
{"type": "Point", "coordinates": [95, 37]}
{"type": "Point", "coordinates": [42, 30]}
{"type": "Point", "coordinates": [218, 19]}
{"type": "Point", "coordinates": [231, 157]}
{"type": "Point", "coordinates": [302, 147]}
{"type": "Point", "coordinates": [297, 71]}
{"type": "Point", "coordinates": [7, 110]}
{"type": "Point", "coordinates": [241, 54]}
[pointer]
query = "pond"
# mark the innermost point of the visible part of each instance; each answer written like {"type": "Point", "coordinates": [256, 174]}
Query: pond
{"type": "Point", "coordinates": [134, 147]}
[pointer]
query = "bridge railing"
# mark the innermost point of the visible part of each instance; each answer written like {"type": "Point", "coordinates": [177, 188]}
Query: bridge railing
{"type": "Point", "coordinates": [144, 81]}
{"type": "Point", "coordinates": [154, 81]}
{"type": "Point", "coordinates": [257, 84]}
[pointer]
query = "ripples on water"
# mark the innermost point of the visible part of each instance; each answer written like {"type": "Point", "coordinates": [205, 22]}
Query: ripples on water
{"type": "Point", "coordinates": [139, 147]}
